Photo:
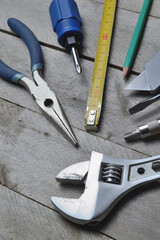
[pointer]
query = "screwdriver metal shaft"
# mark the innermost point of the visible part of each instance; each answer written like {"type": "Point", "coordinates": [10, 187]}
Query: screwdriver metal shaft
{"type": "Point", "coordinates": [144, 104]}
{"type": "Point", "coordinates": [144, 131]}
{"type": "Point", "coordinates": [75, 56]}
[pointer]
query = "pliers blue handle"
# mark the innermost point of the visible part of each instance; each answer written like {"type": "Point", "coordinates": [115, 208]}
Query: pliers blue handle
{"type": "Point", "coordinates": [45, 98]}
{"type": "Point", "coordinates": [33, 46]}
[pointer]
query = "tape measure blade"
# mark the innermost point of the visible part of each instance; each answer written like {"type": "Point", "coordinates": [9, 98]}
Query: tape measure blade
{"type": "Point", "coordinates": [94, 104]}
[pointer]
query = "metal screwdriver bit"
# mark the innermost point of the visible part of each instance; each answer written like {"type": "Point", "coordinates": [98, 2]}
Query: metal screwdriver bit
{"type": "Point", "coordinates": [144, 104]}
{"type": "Point", "coordinates": [75, 56]}
{"type": "Point", "coordinates": [144, 131]}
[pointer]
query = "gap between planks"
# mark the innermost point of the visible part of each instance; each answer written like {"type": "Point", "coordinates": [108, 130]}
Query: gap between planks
{"type": "Point", "coordinates": [74, 127]}
{"type": "Point", "coordinates": [45, 206]}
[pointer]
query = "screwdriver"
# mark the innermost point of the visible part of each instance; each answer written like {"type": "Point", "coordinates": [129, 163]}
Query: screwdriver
{"type": "Point", "coordinates": [144, 104]}
{"type": "Point", "coordinates": [66, 22]}
{"type": "Point", "coordinates": [144, 131]}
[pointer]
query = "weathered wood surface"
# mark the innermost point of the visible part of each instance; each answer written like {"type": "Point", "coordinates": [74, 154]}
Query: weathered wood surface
{"type": "Point", "coordinates": [136, 6]}
{"type": "Point", "coordinates": [73, 89]}
{"type": "Point", "coordinates": [26, 219]}
{"type": "Point", "coordinates": [91, 12]}
{"type": "Point", "coordinates": [32, 151]}
{"type": "Point", "coordinates": [31, 157]}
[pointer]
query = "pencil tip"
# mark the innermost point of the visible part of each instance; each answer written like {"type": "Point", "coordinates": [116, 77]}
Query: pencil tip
{"type": "Point", "coordinates": [126, 70]}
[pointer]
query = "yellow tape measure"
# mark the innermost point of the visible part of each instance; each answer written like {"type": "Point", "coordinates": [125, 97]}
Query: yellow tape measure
{"type": "Point", "coordinates": [96, 92]}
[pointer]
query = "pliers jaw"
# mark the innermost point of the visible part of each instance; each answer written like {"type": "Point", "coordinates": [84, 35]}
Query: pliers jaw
{"type": "Point", "coordinates": [39, 89]}
{"type": "Point", "coordinates": [53, 111]}
{"type": "Point", "coordinates": [48, 102]}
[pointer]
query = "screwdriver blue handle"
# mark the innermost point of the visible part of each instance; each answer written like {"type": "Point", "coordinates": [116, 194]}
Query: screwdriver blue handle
{"type": "Point", "coordinates": [31, 41]}
{"type": "Point", "coordinates": [66, 20]}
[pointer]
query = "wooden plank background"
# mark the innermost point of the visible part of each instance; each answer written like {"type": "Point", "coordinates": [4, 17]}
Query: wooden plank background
{"type": "Point", "coordinates": [32, 151]}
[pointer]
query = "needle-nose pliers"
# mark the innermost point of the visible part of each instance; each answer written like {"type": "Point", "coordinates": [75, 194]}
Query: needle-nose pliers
{"type": "Point", "coordinates": [45, 98]}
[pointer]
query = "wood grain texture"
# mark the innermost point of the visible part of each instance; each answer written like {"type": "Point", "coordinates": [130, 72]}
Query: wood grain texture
{"type": "Point", "coordinates": [32, 151]}
{"type": "Point", "coordinates": [138, 218]}
{"type": "Point", "coordinates": [35, 145]}
{"type": "Point", "coordinates": [136, 6]}
{"type": "Point", "coordinates": [29, 144]}
{"type": "Point", "coordinates": [24, 219]}
{"type": "Point", "coordinates": [91, 12]}
{"type": "Point", "coordinates": [73, 90]}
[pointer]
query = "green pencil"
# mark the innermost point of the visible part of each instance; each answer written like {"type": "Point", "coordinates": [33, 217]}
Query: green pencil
{"type": "Point", "coordinates": [136, 37]}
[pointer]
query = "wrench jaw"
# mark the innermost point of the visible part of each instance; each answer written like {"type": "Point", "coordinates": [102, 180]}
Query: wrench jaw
{"type": "Point", "coordinates": [98, 197]}
{"type": "Point", "coordinates": [79, 211]}
{"type": "Point", "coordinates": [107, 180]}
{"type": "Point", "coordinates": [83, 211]}
{"type": "Point", "coordinates": [74, 174]}
{"type": "Point", "coordinates": [92, 207]}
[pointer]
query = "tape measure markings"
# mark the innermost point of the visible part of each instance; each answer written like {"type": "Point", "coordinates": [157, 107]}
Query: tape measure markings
{"type": "Point", "coordinates": [100, 66]}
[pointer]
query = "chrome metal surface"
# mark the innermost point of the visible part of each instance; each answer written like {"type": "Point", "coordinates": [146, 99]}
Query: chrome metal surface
{"type": "Point", "coordinates": [92, 118]}
{"type": "Point", "coordinates": [149, 79]}
{"type": "Point", "coordinates": [100, 197]}
{"type": "Point", "coordinates": [48, 102]}
{"type": "Point", "coordinates": [146, 130]}
{"type": "Point", "coordinates": [75, 174]}
{"type": "Point", "coordinates": [76, 59]}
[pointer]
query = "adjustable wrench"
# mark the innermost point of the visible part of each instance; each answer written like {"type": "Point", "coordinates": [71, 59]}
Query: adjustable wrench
{"type": "Point", "coordinates": [106, 180]}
